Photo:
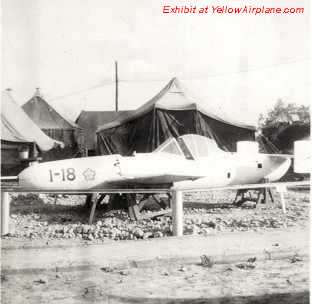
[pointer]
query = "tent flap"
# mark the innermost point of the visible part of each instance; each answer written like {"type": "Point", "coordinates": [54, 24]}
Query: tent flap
{"type": "Point", "coordinates": [89, 121]}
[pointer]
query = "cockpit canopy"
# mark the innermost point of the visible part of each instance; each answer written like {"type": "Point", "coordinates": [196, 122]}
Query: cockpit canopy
{"type": "Point", "coordinates": [190, 146]}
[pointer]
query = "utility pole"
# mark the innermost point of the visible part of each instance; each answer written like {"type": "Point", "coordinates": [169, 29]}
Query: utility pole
{"type": "Point", "coordinates": [116, 86]}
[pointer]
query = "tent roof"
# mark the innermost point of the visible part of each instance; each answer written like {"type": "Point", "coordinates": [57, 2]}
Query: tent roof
{"type": "Point", "coordinates": [16, 126]}
{"type": "Point", "coordinates": [172, 97]}
{"type": "Point", "coordinates": [89, 121]}
{"type": "Point", "coordinates": [45, 116]}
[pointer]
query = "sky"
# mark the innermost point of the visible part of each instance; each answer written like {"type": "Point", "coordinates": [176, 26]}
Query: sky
{"type": "Point", "coordinates": [238, 65]}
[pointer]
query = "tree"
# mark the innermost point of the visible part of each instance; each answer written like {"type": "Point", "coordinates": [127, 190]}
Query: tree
{"type": "Point", "coordinates": [283, 125]}
{"type": "Point", "coordinates": [283, 113]}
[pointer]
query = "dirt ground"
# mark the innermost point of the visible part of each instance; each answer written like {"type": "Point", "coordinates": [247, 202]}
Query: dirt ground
{"type": "Point", "coordinates": [279, 281]}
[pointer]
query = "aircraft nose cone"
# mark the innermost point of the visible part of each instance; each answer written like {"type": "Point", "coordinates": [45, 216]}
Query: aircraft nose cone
{"type": "Point", "coordinates": [26, 177]}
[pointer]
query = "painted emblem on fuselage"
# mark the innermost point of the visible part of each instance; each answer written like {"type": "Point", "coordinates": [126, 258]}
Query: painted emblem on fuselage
{"type": "Point", "coordinates": [89, 174]}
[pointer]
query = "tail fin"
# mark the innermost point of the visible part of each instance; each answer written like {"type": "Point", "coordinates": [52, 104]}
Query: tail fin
{"type": "Point", "coordinates": [302, 151]}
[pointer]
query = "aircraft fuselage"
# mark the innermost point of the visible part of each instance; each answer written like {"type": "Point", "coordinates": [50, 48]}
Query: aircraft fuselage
{"type": "Point", "coordinates": [116, 171]}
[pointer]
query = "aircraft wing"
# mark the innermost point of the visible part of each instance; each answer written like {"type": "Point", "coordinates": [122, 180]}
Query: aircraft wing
{"type": "Point", "coordinates": [154, 181]}
{"type": "Point", "coordinates": [278, 185]}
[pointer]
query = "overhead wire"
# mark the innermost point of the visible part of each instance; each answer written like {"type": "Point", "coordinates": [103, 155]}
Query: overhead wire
{"type": "Point", "coordinates": [123, 80]}
{"type": "Point", "coordinates": [252, 69]}
{"type": "Point", "coordinates": [102, 84]}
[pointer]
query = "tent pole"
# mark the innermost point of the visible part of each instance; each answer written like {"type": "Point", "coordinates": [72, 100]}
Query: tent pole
{"type": "Point", "coordinates": [116, 86]}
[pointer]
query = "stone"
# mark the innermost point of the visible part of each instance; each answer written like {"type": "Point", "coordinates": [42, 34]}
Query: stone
{"type": "Point", "coordinates": [99, 223]}
{"type": "Point", "coordinates": [147, 235]}
{"type": "Point", "coordinates": [138, 232]}
{"type": "Point", "coordinates": [86, 229]}
{"type": "Point", "coordinates": [158, 234]}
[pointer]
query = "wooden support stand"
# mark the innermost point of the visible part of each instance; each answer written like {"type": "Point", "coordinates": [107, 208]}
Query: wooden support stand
{"type": "Point", "coordinates": [94, 204]}
{"type": "Point", "coordinates": [92, 212]}
{"type": "Point", "coordinates": [133, 208]}
{"type": "Point", "coordinates": [177, 213]}
{"type": "Point", "coordinates": [5, 213]}
{"type": "Point", "coordinates": [243, 195]}
{"type": "Point", "coordinates": [266, 193]}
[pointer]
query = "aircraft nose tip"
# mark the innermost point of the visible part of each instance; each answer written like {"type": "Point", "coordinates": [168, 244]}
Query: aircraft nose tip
{"type": "Point", "coordinates": [25, 178]}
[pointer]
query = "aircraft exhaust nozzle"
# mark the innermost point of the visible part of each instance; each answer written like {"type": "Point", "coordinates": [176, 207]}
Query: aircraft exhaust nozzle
{"type": "Point", "coordinates": [302, 159]}
{"type": "Point", "coordinates": [280, 169]}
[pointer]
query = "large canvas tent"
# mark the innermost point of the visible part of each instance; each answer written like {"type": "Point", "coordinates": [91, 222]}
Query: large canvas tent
{"type": "Point", "coordinates": [171, 113]}
{"type": "Point", "coordinates": [56, 126]}
{"type": "Point", "coordinates": [89, 121]}
{"type": "Point", "coordinates": [18, 133]}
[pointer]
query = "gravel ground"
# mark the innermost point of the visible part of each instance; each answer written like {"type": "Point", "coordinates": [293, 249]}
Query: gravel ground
{"type": "Point", "coordinates": [34, 217]}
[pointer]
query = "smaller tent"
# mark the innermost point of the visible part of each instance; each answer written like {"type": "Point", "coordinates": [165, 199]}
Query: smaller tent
{"type": "Point", "coordinates": [56, 126]}
{"type": "Point", "coordinates": [19, 133]}
{"type": "Point", "coordinates": [89, 121]}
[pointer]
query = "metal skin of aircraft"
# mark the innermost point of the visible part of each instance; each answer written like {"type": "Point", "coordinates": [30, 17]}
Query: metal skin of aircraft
{"type": "Point", "coordinates": [187, 162]}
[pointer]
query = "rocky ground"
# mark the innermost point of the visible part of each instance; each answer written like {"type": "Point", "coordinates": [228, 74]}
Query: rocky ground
{"type": "Point", "coordinates": [34, 217]}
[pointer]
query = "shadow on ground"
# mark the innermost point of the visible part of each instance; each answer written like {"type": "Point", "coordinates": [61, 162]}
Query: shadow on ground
{"type": "Point", "coordinates": [58, 212]}
{"type": "Point", "coordinates": [49, 212]}
{"type": "Point", "coordinates": [278, 298]}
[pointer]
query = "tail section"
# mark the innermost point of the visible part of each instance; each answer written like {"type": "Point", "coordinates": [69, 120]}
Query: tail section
{"type": "Point", "coordinates": [302, 151]}
{"type": "Point", "coordinates": [280, 165]}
